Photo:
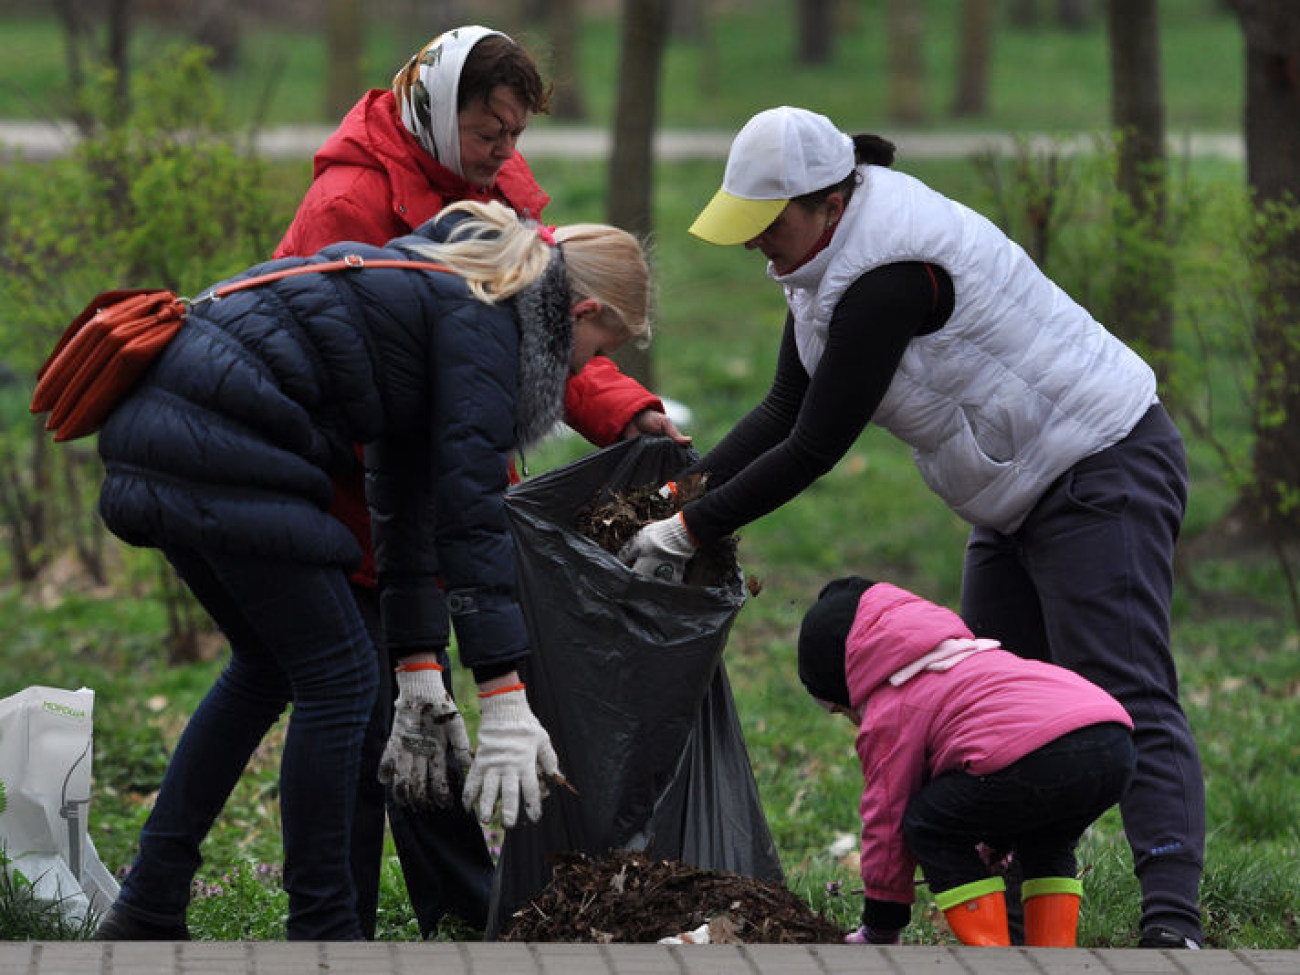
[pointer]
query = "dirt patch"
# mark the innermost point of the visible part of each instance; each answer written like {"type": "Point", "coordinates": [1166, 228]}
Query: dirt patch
{"type": "Point", "coordinates": [630, 898]}
{"type": "Point", "coordinates": [611, 522]}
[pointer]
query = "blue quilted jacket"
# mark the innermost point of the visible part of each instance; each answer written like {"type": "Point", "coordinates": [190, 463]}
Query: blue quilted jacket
{"type": "Point", "coordinates": [231, 441]}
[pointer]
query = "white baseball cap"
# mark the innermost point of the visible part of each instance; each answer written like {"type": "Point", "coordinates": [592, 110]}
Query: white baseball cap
{"type": "Point", "coordinates": [781, 153]}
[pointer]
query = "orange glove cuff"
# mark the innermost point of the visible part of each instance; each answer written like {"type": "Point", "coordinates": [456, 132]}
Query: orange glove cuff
{"type": "Point", "coordinates": [407, 668]}
{"type": "Point", "coordinates": [501, 690]}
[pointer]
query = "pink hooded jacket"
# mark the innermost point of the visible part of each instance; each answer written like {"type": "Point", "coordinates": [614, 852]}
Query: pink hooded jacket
{"type": "Point", "coordinates": [981, 714]}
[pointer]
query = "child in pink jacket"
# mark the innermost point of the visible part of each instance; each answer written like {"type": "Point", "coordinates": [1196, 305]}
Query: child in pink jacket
{"type": "Point", "coordinates": [963, 746]}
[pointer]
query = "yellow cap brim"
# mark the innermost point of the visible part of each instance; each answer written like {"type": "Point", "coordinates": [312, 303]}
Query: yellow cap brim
{"type": "Point", "coordinates": [732, 219]}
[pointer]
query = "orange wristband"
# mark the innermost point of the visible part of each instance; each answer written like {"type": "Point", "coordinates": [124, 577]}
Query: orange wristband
{"type": "Point", "coordinates": [501, 690]}
{"type": "Point", "coordinates": [681, 515]}
{"type": "Point", "coordinates": [407, 668]}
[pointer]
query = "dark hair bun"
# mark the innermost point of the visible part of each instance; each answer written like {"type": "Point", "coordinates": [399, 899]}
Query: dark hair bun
{"type": "Point", "coordinates": [873, 150]}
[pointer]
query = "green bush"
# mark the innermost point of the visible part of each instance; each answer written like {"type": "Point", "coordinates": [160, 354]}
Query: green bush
{"type": "Point", "coordinates": [164, 198]}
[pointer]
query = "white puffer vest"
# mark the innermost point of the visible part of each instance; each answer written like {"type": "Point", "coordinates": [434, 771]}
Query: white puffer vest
{"type": "Point", "coordinates": [1021, 382]}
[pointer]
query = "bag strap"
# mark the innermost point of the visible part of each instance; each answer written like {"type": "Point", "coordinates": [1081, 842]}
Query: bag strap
{"type": "Point", "coordinates": [350, 262]}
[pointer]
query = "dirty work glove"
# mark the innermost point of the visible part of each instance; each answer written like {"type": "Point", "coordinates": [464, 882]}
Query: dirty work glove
{"type": "Point", "coordinates": [513, 748]}
{"type": "Point", "coordinates": [425, 723]}
{"type": "Point", "coordinates": [661, 549]}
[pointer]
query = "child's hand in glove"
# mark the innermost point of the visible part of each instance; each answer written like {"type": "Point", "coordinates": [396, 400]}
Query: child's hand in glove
{"type": "Point", "coordinates": [425, 723]}
{"type": "Point", "coordinates": [513, 748]}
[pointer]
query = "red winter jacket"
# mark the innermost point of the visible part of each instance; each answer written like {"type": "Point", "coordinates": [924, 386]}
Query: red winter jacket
{"type": "Point", "coordinates": [371, 182]}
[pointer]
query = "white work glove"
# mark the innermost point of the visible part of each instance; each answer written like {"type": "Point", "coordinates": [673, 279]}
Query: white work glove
{"type": "Point", "coordinates": [425, 723]}
{"type": "Point", "coordinates": [513, 748]}
{"type": "Point", "coordinates": [660, 550]}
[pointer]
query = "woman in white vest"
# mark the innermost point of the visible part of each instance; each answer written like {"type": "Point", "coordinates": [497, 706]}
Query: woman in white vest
{"type": "Point", "coordinates": [1035, 425]}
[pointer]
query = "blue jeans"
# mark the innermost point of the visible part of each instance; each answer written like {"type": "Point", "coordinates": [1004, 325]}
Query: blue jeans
{"type": "Point", "coordinates": [445, 861]}
{"type": "Point", "coordinates": [296, 637]}
{"type": "Point", "coordinates": [1037, 806]}
{"type": "Point", "coordinates": [1086, 582]}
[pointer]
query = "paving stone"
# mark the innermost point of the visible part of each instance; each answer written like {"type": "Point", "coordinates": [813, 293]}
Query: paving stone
{"type": "Point", "coordinates": [497, 958]}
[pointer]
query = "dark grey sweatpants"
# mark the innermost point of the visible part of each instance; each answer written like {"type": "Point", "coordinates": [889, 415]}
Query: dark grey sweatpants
{"type": "Point", "coordinates": [1086, 582]}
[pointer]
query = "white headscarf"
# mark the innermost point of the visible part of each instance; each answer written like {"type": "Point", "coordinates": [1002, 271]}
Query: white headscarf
{"type": "Point", "coordinates": [427, 89]}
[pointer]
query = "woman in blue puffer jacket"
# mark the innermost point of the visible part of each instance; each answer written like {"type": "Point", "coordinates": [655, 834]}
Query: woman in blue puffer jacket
{"type": "Point", "coordinates": [223, 458]}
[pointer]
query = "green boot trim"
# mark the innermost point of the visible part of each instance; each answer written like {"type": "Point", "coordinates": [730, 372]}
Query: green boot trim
{"type": "Point", "coordinates": [1037, 886]}
{"type": "Point", "coordinates": [968, 892]}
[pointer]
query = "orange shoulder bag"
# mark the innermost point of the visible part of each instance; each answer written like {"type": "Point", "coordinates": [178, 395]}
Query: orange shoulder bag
{"type": "Point", "coordinates": [105, 349]}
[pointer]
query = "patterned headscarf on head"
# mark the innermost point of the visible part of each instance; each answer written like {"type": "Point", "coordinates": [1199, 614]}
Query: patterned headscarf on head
{"type": "Point", "coordinates": [427, 88]}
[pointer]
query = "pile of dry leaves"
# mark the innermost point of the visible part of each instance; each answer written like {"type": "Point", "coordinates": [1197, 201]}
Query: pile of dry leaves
{"type": "Point", "coordinates": [611, 521]}
{"type": "Point", "coordinates": [628, 898]}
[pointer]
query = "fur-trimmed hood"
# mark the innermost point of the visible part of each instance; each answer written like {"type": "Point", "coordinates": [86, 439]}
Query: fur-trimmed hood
{"type": "Point", "coordinates": [545, 313]}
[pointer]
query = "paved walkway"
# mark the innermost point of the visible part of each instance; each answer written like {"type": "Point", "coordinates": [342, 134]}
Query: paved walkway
{"type": "Point", "coordinates": [43, 140]}
{"type": "Point", "coordinates": [392, 958]}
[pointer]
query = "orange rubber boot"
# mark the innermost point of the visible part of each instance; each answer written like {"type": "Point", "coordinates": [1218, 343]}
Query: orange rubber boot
{"type": "Point", "coordinates": [1051, 911]}
{"type": "Point", "coordinates": [977, 912]}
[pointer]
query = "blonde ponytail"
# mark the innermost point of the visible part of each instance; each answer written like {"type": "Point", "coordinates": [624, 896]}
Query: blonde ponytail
{"type": "Point", "coordinates": [610, 265]}
{"type": "Point", "coordinates": [499, 255]}
{"type": "Point", "coordinates": [494, 251]}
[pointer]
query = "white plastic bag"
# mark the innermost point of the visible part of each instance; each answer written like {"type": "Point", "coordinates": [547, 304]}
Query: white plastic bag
{"type": "Point", "coordinates": [45, 759]}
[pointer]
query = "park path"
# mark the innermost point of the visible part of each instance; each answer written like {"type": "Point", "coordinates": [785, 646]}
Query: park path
{"type": "Point", "coordinates": [44, 140]}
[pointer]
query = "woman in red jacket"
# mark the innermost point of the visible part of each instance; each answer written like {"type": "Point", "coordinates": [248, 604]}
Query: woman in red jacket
{"type": "Point", "coordinates": [446, 131]}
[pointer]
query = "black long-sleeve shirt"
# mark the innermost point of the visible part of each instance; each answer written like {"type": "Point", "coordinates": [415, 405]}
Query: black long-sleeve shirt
{"type": "Point", "coordinates": [806, 424]}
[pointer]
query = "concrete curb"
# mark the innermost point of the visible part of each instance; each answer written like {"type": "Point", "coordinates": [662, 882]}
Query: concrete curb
{"type": "Point", "coordinates": [473, 958]}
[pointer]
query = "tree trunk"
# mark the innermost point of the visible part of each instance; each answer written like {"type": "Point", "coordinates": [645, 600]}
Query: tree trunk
{"type": "Point", "coordinates": [216, 25]}
{"type": "Point", "coordinates": [1272, 29]}
{"type": "Point", "coordinates": [1023, 14]}
{"type": "Point", "coordinates": [1074, 14]}
{"type": "Point", "coordinates": [345, 26]}
{"type": "Point", "coordinates": [76, 31]}
{"type": "Point", "coordinates": [847, 17]}
{"type": "Point", "coordinates": [83, 60]}
{"type": "Point", "coordinates": [816, 31]}
{"type": "Point", "coordinates": [566, 103]}
{"type": "Point", "coordinates": [1142, 311]}
{"type": "Point", "coordinates": [118, 55]}
{"type": "Point", "coordinates": [906, 63]}
{"type": "Point", "coordinates": [687, 21]}
{"type": "Point", "coordinates": [631, 164]}
{"type": "Point", "coordinates": [709, 80]}
{"type": "Point", "coordinates": [974, 45]}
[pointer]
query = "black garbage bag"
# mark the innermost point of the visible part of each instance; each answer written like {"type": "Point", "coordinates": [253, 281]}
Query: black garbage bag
{"type": "Point", "coordinates": [626, 675]}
